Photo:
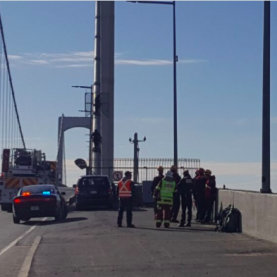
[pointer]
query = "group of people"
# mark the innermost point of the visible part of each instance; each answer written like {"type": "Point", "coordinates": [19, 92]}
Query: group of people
{"type": "Point", "coordinates": [199, 191]}
{"type": "Point", "coordinates": [169, 192]}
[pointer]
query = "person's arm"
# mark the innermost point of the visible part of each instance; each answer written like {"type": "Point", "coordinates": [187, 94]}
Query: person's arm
{"type": "Point", "coordinates": [157, 190]}
{"type": "Point", "coordinates": [178, 186]}
{"type": "Point", "coordinates": [133, 188]}
{"type": "Point", "coordinates": [153, 186]}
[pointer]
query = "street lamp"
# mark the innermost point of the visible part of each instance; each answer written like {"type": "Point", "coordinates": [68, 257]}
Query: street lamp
{"type": "Point", "coordinates": [175, 59]}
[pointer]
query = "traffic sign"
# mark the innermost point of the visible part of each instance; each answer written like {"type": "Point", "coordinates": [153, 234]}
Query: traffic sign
{"type": "Point", "coordinates": [117, 175]}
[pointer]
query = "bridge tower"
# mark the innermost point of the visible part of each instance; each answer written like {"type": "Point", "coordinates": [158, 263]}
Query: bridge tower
{"type": "Point", "coordinates": [103, 86]}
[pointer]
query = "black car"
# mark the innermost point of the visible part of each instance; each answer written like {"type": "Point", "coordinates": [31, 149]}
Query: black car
{"type": "Point", "coordinates": [93, 190]}
{"type": "Point", "coordinates": [39, 201]}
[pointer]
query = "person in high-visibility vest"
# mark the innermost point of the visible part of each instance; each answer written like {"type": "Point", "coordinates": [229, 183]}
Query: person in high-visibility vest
{"type": "Point", "coordinates": [155, 182]}
{"type": "Point", "coordinates": [164, 197]}
{"type": "Point", "coordinates": [126, 193]}
{"type": "Point", "coordinates": [176, 196]}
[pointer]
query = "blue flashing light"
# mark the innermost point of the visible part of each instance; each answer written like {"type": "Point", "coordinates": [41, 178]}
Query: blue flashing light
{"type": "Point", "coordinates": [46, 193]}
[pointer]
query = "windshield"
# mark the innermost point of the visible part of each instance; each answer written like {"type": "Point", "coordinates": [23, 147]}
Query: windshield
{"type": "Point", "coordinates": [38, 189]}
{"type": "Point", "coordinates": [94, 181]}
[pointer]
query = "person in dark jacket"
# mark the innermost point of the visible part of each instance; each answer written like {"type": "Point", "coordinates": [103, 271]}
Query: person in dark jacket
{"type": "Point", "coordinates": [194, 201]}
{"type": "Point", "coordinates": [210, 195]}
{"type": "Point", "coordinates": [96, 139]}
{"type": "Point", "coordinates": [176, 196]}
{"type": "Point", "coordinates": [185, 190]}
{"type": "Point", "coordinates": [155, 182]}
{"type": "Point", "coordinates": [199, 194]}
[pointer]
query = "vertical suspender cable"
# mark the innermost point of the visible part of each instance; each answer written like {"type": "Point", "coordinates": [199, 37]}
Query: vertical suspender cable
{"type": "Point", "coordinates": [1, 95]}
{"type": "Point", "coordinates": [11, 84]}
{"type": "Point", "coordinates": [64, 162]}
{"type": "Point", "coordinates": [3, 105]}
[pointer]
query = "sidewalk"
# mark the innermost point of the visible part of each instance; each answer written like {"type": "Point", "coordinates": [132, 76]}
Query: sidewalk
{"type": "Point", "coordinates": [96, 247]}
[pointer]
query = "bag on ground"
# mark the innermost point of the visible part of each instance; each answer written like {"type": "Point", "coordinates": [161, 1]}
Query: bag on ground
{"type": "Point", "coordinates": [229, 220]}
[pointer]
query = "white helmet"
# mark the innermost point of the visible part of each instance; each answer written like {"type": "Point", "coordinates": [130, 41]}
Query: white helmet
{"type": "Point", "coordinates": [169, 174]}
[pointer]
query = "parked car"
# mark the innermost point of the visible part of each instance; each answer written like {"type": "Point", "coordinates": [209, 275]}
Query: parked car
{"type": "Point", "coordinates": [93, 190]}
{"type": "Point", "coordinates": [39, 201]}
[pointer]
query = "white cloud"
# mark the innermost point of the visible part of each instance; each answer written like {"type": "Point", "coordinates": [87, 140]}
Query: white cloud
{"type": "Point", "coordinates": [153, 62]}
{"type": "Point", "coordinates": [85, 59]}
{"type": "Point", "coordinates": [14, 57]}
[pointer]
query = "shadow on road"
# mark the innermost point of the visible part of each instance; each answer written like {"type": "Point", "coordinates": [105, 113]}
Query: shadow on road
{"type": "Point", "coordinates": [44, 223]}
{"type": "Point", "coordinates": [91, 208]}
{"type": "Point", "coordinates": [175, 229]}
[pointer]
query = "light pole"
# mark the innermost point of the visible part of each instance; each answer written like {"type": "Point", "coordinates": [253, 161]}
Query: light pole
{"type": "Point", "coordinates": [90, 130]}
{"type": "Point", "coordinates": [136, 141]}
{"type": "Point", "coordinates": [266, 102]}
{"type": "Point", "coordinates": [175, 59]}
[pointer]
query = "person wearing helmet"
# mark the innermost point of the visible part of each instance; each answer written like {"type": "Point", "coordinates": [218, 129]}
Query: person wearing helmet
{"type": "Point", "coordinates": [155, 182]}
{"type": "Point", "coordinates": [185, 190]}
{"type": "Point", "coordinates": [176, 196]}
{"type": "Point", "coordinates": [199, 194]}
{"type": "Point", "coordinates": [210, 195]}
{"type": "Point", "coordinates": [164, 198]}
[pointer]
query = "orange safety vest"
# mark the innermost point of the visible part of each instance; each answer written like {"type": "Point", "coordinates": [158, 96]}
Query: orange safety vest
{"type": "Point", "coordinates": [124, 189]}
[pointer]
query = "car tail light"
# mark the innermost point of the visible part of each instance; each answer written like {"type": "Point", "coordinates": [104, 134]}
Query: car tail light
{"type": "Point", "coordinates": [26, 193]}
{"type": "Point", "coordinates": [76, 191]}
{"type": "Point", "coordinates": [17, 201]}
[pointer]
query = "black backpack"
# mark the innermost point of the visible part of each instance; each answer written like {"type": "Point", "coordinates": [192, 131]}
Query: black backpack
{"type": "Point", "coordinates": [229, 220]}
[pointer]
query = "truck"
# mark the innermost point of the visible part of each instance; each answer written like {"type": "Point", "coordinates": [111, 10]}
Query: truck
{"type": "Point", "coordinates": [23, 167]}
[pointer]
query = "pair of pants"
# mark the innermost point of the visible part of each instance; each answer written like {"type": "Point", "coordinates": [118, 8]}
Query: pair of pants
{"type": "Point", "coordinates": [163, 215]}
{"type": "Point", "coordinates": [176, 205]}
{"type": "Point", "coordinates": [201, 206]}
{"type": "Point", "coordinates": [186, 205]}
{"type": "Point", "coordinates": [125, 203]}
{"type": "Point", "coordinates": [155, 206]}
{"type": "Point", "coordinates": [209, 208]}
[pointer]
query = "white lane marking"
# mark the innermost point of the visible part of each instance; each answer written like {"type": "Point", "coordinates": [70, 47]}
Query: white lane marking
{"type": "Point", "coordinates": [19, 238]}
{"type": "Point", "coordinates": [25, 269]}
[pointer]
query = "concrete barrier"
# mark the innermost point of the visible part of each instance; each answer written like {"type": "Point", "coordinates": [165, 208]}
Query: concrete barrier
{"type": "Point", "coordinates": [259, 212]}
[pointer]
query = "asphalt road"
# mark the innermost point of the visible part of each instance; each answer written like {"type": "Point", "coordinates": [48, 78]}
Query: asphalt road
{"type": "Point", "coordinates": [89, 243]}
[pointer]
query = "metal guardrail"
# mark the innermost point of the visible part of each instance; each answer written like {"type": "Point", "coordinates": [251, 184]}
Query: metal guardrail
{"type": "Point", "coordinates": [148, 167]}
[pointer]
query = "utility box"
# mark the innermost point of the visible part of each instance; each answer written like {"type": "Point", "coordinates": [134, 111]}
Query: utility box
{"type": "Point", "coordinates": [146, 193]}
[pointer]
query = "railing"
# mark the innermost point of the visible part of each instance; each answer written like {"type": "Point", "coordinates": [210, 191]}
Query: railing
{"type": "Point", "coordinates": [148, 167]}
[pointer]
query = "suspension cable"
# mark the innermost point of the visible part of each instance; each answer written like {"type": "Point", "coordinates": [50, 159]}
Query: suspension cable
{"type": "Point", "coordinates": [11, 84]}
{"type": "Point", "coordinates": [64, 162]}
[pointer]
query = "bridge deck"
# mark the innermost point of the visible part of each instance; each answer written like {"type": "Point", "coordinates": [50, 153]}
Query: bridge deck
{"type": "Point", "coordinates": [88, 243]}
{"type": "Point", "coordinates": [96, 247]}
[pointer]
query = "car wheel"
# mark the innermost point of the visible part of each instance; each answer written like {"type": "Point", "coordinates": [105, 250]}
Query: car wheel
{"type": "Point", "coordinates": [65, 212]}
{"type": "Point", "coordinates": [58, 216]}
{"type": "Point", "coordinates": [110, 206]}
{"type": "Point", "coordinates": [26, 219]}
{"type": "Point", "coordinates": [78, 207]}
{"type": "Point", "coordinates": [9, 208]}
{"type": "Point", "coordinates": [16, 220]}
{"type": "Point", "coordinates": [4, 207]}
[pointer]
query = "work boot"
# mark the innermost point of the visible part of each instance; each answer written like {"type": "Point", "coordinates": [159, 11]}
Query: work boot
{"type": "Point", "coordinates": [131, 226]}
{"type": "Point", "coordinates": [119, 225]}
{"type": "Point", "coordinates": [174, 220]}
{"type": "Point", "coordinates": [188, 224]}
{"type": "Point", "coordinates": [182, 224]}
{"type": "Point", "coordinates": [166, 225]}
{"type": "Point", "coordinates": [158, 224]}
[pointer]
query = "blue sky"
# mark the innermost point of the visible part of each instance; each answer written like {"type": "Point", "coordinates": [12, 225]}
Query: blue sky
{"type": "Point", "coordinates": [219, 45]}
